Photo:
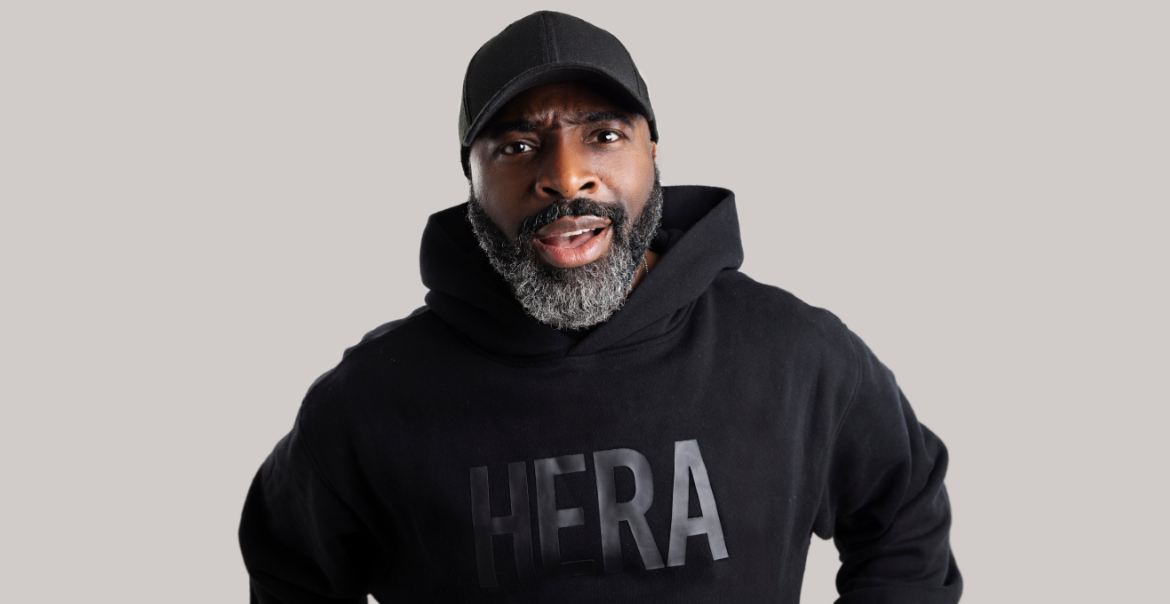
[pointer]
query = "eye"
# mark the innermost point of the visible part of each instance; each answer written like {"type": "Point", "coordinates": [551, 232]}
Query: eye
{"type": "Point", "coordinates": [608, 136]}
{"type": "Point", "coordinates": [516, 148]}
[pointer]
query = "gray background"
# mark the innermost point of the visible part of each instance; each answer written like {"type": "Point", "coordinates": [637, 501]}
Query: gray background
{"type": "Point", "coordinates": [205, 203]}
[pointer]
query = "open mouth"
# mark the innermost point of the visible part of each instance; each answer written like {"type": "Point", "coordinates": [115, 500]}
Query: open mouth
{"type": "Point", "coordinates": [571, 239]}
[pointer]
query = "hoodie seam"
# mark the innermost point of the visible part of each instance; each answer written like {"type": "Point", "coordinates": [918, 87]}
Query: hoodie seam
{"type": "Point", "coordinates": [316, 469]}
{"type": "Point", "coordinates": [831, 447]}
{"type": "Point", "coordinates": [852, 395]}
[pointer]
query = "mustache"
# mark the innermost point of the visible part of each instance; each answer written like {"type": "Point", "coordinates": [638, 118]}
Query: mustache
{"type": "Point", "coordinates": [571, 207]}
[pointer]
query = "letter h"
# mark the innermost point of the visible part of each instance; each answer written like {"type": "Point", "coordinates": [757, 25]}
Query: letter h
{"type": "Point", "coordinates": [519, 524]}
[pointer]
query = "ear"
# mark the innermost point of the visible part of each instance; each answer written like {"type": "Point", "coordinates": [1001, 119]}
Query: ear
{"type": "Point", "coordinates": [654, 150]}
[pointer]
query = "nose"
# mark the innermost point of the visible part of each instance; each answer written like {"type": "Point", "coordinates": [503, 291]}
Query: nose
{"type": "Point", "coordinates": [566, 172]}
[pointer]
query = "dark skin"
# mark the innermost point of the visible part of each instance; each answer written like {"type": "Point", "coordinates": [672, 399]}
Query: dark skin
{"type": "Point", "coordinates": [563, 141]}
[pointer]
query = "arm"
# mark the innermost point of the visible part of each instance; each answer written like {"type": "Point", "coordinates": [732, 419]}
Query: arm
{"type": "Point", "coordinates": [885, 504]}
{"type": "Point", "coordinates": [301, 543]}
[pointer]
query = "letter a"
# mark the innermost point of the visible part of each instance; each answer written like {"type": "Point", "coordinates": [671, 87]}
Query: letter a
{"type": "Point", "coordinates": [688, 461]}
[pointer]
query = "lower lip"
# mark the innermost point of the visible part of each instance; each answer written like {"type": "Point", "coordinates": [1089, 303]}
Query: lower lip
{"type": "Point", "coordinates": [572, 257]}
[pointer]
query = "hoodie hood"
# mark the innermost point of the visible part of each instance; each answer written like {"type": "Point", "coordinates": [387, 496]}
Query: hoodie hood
{"type": "Point", "coordinates": [702, 230]}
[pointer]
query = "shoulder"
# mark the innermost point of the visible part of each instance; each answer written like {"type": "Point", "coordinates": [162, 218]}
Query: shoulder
{"type": "Point", "coordinates": [338, 407]}
{"type": "Point", "coordinates": [778, 314]}
{"type": "Point", "coordinates": [809, 347]}
{"type": "Point", "coordinates": [401, 337]}
{"type": "Point", "coordinates": [391, 333]}
{"type": "Point", "coordinates": [376, 357]}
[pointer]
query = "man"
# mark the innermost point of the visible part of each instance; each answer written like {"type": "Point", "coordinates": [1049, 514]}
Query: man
{"type": "Point", "coordinates": [594, 405]}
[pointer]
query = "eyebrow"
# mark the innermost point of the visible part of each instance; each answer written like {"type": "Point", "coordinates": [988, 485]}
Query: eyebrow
{"type": "Point", "coordinates": [585, 117]}
{"type": "Point", "coordinates": [589, 117]}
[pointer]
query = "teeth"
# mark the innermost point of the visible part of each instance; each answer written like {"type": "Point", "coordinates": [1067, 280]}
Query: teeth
{"type": "Point", "coordinates": [575, 233]}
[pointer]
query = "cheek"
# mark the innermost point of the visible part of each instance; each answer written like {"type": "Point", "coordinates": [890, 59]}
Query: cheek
{"type": "Point", "coordinates": [492, 195]}
{"type": "Point", "coordinates": [633, 180]}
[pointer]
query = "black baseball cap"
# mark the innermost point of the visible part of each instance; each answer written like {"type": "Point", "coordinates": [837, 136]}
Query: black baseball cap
{"type": "Point", "coordinates": [544, 48]}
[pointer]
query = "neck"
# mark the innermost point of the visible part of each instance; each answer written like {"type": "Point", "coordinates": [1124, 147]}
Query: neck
{"type": "Point", "coordinates": [644, 269]}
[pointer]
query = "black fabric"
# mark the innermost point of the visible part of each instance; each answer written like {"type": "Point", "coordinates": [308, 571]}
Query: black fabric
{"type": "Point", "coordinates": [438, 428]}
{"type": "Point", "coordinates": [547, 47]}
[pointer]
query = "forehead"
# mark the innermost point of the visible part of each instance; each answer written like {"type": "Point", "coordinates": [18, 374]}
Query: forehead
{"type": "Point", "coordinates": [555, 102]}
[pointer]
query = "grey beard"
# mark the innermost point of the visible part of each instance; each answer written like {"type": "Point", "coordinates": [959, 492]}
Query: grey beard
{"type": "Point", "coordinates": [570, 298]}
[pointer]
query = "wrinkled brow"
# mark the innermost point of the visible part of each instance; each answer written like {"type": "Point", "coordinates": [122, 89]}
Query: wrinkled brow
{"type": "Point", "coordinates": [499, 129]}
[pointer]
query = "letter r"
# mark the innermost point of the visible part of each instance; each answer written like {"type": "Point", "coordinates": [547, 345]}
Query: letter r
{"type": "Point", "coordinates": [633, 511]}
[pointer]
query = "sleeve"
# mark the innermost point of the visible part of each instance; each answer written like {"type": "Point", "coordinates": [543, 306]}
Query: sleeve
{"type": "Point", "coordinates": [301, 543]}
{"type": "Point", "coordinates": [885, 504]}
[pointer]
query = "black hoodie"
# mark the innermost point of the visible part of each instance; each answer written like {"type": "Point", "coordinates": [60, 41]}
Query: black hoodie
{"type": "Point", "coordinates": [683, 451]}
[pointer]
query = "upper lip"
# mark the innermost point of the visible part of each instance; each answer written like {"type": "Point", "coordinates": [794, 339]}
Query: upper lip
{"type": "Point", "coordinates": [569, 224]}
